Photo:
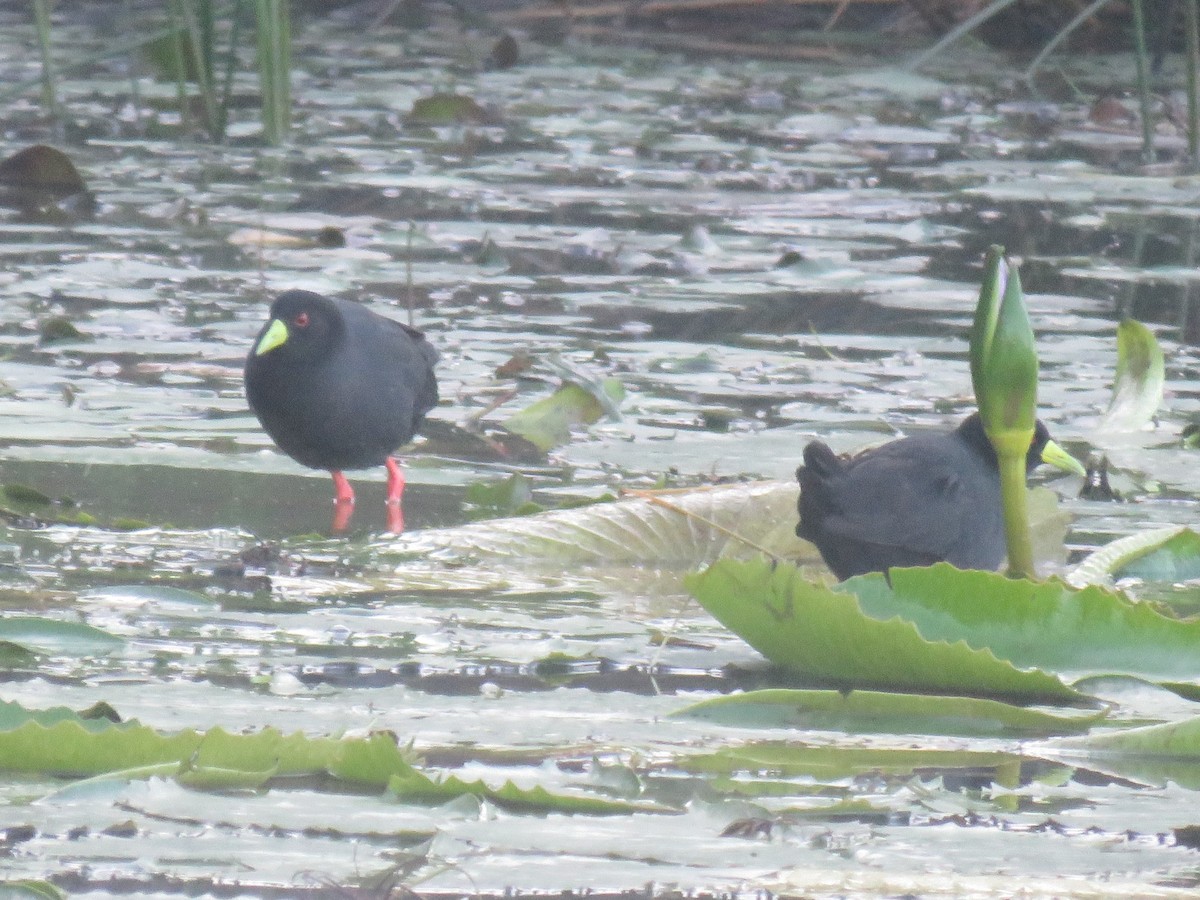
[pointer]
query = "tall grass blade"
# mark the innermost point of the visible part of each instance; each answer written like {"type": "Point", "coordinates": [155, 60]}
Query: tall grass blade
{"type": "Point", "coordinates": [1143, 78]}
{"type": "Point", "coordinates": [1191, 18]}
{"type": "Point", "coordinates": [41, 18]}
{"type": "Point", "coordinates": [199, 27]}
{"type": "Point", "coordinates": [175, 17]}
{"type": "Point", "coordinates": [960, 30]}
{"type": "Point", "coordinates": [1065, 32]}
{"type": "Point", "coordinates": [275, 67]}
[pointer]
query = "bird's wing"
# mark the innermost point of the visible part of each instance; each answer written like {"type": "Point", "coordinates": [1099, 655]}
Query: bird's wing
{"type": "Point", "coordinates": [421, 376]}
{"type": "Point", "coordinates": [899, 502]}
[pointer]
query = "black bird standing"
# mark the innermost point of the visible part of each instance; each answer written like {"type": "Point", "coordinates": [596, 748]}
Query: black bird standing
{"type": "Point", "coordinates": [338, 387]}
{"type": "Point", "coordinates": [916, 501]}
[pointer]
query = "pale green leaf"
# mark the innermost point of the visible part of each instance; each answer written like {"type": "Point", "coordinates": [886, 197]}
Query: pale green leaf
{"type": "Point", "coordinates": [825, 636]}
{"type": "Point", "coordinates": [878, 712]}
{"type": "Point", "coordinates": [1138, 385]}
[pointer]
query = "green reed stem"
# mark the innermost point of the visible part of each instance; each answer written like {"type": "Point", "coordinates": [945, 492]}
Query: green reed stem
{"type": "Point", "coordinates": [963, 28]}
{"type": "Point", "coordinates": [1062, 34]}
{"type": "Point", "coordinates": [1191, 17]}
{"type": "Point", "coordinates": [41, 18]}
{"type": "Point", "coordinates": [1015, 501]}
{"type": "Point", "coordinates": [275, 67]}
{"type": "Point", "coordinates": [178, 36]}
{"type": "Point", "coordinates": [197, 16]}
{"type": "Point", "coordinates": [1143, 78]}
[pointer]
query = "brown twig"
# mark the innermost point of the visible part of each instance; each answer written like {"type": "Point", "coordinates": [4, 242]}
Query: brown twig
{"type": "Point", "coordinates": [613, 8]}
{"type": "Point", "coordinates": [659, 500]}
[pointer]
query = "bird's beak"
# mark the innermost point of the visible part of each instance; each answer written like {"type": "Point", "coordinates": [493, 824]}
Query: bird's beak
{"type": "Point", "coordinates": [277, 334]}
{"type": "Point", "coordinates": [1055, 456]}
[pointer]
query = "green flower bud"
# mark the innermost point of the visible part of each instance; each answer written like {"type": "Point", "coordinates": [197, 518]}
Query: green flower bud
{"type": "Point", "coordinates": [1004, 363]}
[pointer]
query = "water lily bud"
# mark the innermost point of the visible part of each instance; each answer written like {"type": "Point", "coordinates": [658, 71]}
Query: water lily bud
{"type": "Point", "coordinates": [1004, 364]}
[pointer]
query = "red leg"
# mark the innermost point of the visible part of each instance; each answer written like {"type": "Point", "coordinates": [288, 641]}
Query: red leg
{"type": "Point", "coordinates": [395, 488]}
{"type": "Point", "coordinates": [342, 492]}
{"type": "Point", "coordinates": [395, 491]}
{"type": "Point", "coordinates": [343, 503]}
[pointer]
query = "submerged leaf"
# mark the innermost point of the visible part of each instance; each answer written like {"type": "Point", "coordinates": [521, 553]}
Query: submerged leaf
{"type": "Point", "coordinates": [57, 329]}
{"type": "Point", "coordinates": [20, 493]}
{"type": "Point", "coordinates": [547, 423]}
{"type": "Point", "coordinates": [446, 109]}
{"type": "Point", "coordinates": [1138, 385]}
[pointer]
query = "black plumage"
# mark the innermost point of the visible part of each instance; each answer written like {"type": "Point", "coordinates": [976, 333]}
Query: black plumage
{"type": "Point", "coordinates": [337, 386]}
{"type": "Point", "coordinates": [912, 502]}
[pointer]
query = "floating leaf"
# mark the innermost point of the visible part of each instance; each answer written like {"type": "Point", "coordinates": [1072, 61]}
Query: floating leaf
{"type": "Point", "coordinates": [217, 778]}
{"type": "Point", "coordinates": [30, 890]}
{"type": "Point", "coordinates": [1138, 386]}
{"type": "Point", "coordinates": [374, 761]}
{"type": "Point", "coordinates": [511, 496]}
{"type": "Point", "coordinates": [824, 635]}
{"type": "Point", "coordinates": [1176, 740]}
{"type": "Point", "coordinates": [827, 763]}
{"type": "Point", "coordinates": [878, 712]}
{"type": "Point", "coordinates": [446, 109]}
{"type": "Point", "coordinates": [1162, 554]}
{"type": "Point", "coordinates": [1024, 621]}
{"type": "Point", "coordinates": [416, 787]}
{"type": "Point", "coordinates": [55, 636]}
{"type": "Point", "coordinates": [58, 329]}
{"type": "Point", "coordinates": [65, 745]}
{"type": "Point", "coordinates": [670, 529]}
{"type": "Point", "coordinates": [1154, 753]}
{"type": "Point", "coordinates": [14, 715]}
{"type": "Point", "coordinates": [547, 423]}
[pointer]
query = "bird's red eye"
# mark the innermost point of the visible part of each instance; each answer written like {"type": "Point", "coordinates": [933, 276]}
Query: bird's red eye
{"type": "Point", "coordinates": [301, 320]}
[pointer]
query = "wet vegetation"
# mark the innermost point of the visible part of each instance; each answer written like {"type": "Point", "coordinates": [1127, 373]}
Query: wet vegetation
{"type": "Point", "coordinates": [598, 657]}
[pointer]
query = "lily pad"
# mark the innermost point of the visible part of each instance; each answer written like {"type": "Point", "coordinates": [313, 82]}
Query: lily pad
{"type": "Point", "coordinates": [878, 712]}
{"type": "Point", "coordinates": [419, 788]}
{"type": "Point", "coordinates": [825, 636]}
{"type": "Point", "coordinates": [548, 423]}
{"type": "Point", "coordinates": [1025, 622]}
{"type": "Point", "coordinates": [1138, 386]}
{"type": "Point", "coordinates": [55, 636]}
{"type": "Point", "coordinates": [1162, 554]}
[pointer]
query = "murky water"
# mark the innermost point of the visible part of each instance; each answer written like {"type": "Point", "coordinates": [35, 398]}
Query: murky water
{"type": "Point", "coordinates": [762, 253]}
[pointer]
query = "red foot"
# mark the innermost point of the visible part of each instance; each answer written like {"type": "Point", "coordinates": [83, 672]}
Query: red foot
{"type": "Point", "coordinates": [342, 511]}
{"type": "Point", "coordinates": [395, 517]}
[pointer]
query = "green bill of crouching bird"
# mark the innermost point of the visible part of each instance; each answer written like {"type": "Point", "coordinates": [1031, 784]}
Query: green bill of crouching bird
{"type": "Point", "coordinates": [339, 387]}
{"type": "Point", "coordinates": [913, 502]}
